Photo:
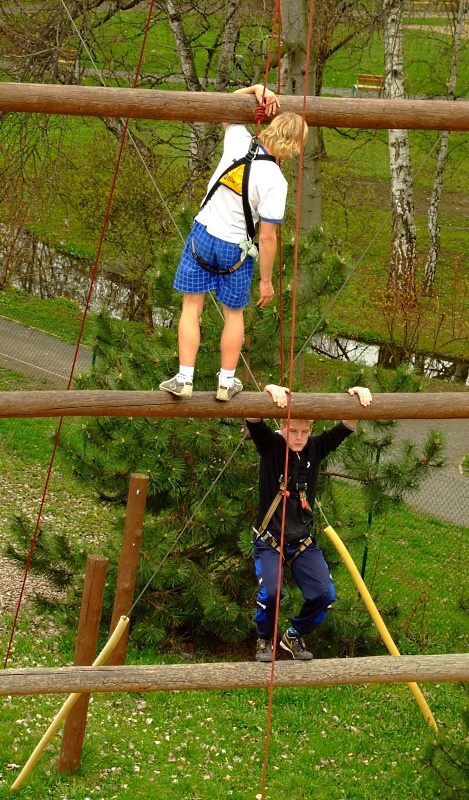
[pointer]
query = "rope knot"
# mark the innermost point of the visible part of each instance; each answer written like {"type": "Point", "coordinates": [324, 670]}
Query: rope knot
{"type": "Point", "coordinates": [260, 114]}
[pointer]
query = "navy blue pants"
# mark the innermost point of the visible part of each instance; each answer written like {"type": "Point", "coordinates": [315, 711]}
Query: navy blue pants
{"type": "Point", "coordinates": [311, 574]}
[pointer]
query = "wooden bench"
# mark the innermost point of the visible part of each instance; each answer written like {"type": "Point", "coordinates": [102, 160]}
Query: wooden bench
{"type": "Point", "coordinates": [366, 83]}
{"type": "Point", "coordinates": [68, 63]}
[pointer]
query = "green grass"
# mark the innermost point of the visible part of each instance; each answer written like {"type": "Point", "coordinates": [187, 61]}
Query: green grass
{"type": "Point", "coordinates": [332, 743]}
{"type": "Point", "coordinates": [404, 551]}
{"type": "Point", "coordinates": [426, 54]}
{"type": "Point", "coordinates": [357, 210]}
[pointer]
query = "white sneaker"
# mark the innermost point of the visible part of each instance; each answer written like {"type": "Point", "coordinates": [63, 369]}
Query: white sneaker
{"type": "Point", "coordinates": [177, 387]}
{"type": "Point", "coordinates": [227, 392]}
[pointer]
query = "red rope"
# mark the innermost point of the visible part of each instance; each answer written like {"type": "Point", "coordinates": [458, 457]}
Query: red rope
{"type": "Point", "coordinates": [280, 241]}
{"type": "Point", "coordinates": [292, 342]}
{"type": "Point", "coordinates": [280, 294]}
{"type": "Point", "coordinates": [267, 65]}
{"type": "Point", "coordinates": [260, 115]}
{"type": "Point", "coordinates": [80, 335]}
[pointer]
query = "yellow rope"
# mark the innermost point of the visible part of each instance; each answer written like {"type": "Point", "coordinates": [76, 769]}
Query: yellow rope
{"type": "Point", "coordinates": [69, 703]}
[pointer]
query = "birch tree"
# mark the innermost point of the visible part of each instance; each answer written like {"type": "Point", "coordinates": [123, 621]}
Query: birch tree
{"type": "Point", "coordinates": [433, 225]}
{"type": "Point", "coordinates": [204, 137]}
{"type": "Point", "coordinates": [401, 276]}
{"type": "Point", "coordinates": [328, 16]}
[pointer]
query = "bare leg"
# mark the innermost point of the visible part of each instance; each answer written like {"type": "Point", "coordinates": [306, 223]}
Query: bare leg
{"type": "Point", "coordinates": [189, 328]}
{"type": "Point", "coordinates": [232, 337]}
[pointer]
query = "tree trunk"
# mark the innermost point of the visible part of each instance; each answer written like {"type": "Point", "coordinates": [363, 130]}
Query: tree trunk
{"type": "Point", "coordinates": [204, 138]}
{"type": "Point", "coordinates": [295, 38]}
{"type": "Point", "coordinates": [433, 226]}
{"type": "Point", "coordinates": [404, 235]}
{"type": "Point", "coordinates": [294, 23]}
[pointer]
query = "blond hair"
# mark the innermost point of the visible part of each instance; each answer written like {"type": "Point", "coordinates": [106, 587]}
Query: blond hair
{"type": "Point", "coordinates": [284, 135]}
{"type": "Point", "coordinates": [284, 422]}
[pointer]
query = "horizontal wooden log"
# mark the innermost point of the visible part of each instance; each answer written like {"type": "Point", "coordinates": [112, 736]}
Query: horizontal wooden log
{"type": "Point", "coordinates": [103, 403]}
{"type": "Point", "coordinates": [229, 675]}
{"type": "Point", "coordinates": [327, 112]}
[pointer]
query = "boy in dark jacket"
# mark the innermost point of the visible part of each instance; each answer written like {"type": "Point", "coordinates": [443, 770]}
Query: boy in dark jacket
{"type": "Point", "coordinates": [300, 551]}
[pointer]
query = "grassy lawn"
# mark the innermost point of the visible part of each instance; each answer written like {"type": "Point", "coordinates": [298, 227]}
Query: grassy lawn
{"type": "Point", "coordinates": [346, 743]}
{"type": "Point", "coordinates": [427, 58]}
{"type": "Point", "coordinates": [326, 742]}
{"type": "Point", "coordinates": [61, 317]}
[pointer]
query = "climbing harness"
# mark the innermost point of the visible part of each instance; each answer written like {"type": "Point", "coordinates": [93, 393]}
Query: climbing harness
{"type": "Point", "coordinates": [214, 270]}
{"type": "Point", "coordinates": [301, 487]}
{"type": "Point", "coordinates": [236, 178]}
{"type": "Point", "coordinates": [269, 539]}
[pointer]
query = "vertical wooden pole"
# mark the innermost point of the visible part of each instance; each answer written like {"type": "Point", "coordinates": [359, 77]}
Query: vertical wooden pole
{"type": "Point", "coordinates": [128, 563]}
{"type": "Point", "coordinates": [85, 651]}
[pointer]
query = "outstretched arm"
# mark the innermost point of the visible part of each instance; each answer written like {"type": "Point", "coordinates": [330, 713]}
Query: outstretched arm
{"type": "Point", "coordinates": [365, 398]}
{"type": "Point", "coordinates": [266, 98]}
{"type": "Point", "coordinates": [278, 394]}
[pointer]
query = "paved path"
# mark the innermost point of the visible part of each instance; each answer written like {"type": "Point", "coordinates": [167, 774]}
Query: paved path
{"type": "Point", "coordinates": [455, 433]}
{"type": "Point", "coordinates": [32, 352]}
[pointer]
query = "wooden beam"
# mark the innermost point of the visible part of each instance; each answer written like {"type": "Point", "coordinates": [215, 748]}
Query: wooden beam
{"type": "Point", "coordinates": [229, 675]}
{"type": "Point", "coordinates": [327, 112]}
{"type": "Point", "coordinates": [103, 403]}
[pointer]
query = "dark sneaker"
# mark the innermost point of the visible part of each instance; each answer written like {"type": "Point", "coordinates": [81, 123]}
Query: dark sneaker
{"type": "Point", "coordinates": [264, 650]}
{"type": "Point", "coordinates": [296, 646]}
{"type": "Point", "coordinates": [227, 392]}
{"type": "Point", "coordinates": [177, 386]}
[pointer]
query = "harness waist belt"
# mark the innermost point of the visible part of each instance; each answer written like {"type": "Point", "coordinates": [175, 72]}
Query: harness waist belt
{"type": "Point", "coordinates": [269, 539]}
{"type": "Point", "coordinates": [214, 270]}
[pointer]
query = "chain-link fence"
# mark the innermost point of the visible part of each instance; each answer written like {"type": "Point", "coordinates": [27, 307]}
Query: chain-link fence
{"type": "Point", "coordinates": [416, 566]}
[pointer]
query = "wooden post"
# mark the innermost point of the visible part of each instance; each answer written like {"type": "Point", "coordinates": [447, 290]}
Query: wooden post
{"type": "Point", "coordinates": [85, 650]}
{"type": "Point", "coordinates": [128, 564]}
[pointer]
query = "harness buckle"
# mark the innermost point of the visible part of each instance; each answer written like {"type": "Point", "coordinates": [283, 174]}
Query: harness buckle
{"type": "Point", "coordinates": [252, 152]}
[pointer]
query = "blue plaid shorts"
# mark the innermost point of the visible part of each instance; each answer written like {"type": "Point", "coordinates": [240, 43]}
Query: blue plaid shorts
{"type": "Point", "coordinates": [232, 290]}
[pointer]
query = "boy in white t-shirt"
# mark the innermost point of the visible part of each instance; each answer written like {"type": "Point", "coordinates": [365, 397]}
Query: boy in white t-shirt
{"type": "Point", "coordinates": [219, 252]}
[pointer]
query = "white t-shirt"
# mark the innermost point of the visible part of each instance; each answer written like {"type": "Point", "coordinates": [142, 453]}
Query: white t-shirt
{"type": "Point", "coordinates": [223, 215]}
